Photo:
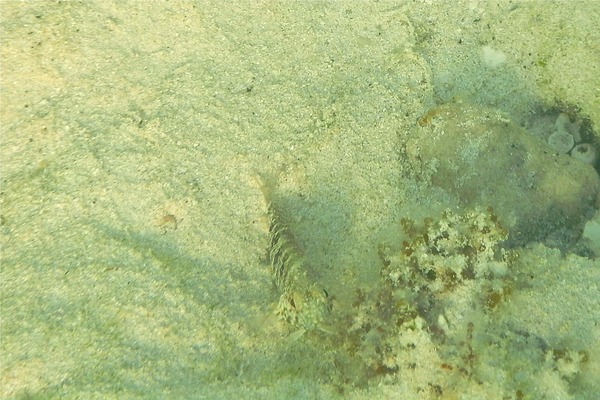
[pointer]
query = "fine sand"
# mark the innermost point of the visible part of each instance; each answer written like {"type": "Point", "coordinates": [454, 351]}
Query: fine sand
{"type": "Point", "coordinates": [134, 233]}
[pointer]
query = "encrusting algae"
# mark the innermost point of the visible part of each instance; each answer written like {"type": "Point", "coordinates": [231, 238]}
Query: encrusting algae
{"type": "Point", "coordinates": [439, 293]}
{"type": "Point", "coordinates": [441, 254]}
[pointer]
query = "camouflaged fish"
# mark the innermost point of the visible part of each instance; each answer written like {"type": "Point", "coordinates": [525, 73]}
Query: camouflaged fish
{"type": "Point", "coordinates": [303, 303]}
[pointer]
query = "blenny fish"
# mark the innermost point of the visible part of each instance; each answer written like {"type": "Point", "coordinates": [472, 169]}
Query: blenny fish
{"type": "Point", "coordinates": [303, 304]}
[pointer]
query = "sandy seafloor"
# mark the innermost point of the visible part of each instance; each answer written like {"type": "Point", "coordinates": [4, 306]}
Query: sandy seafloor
{"type": "Point", "coordinates": [134, 232]}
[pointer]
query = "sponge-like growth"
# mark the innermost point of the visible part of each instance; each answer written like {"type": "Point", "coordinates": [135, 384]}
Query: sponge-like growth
{"type": "Point", "coordinates": [441, 254]}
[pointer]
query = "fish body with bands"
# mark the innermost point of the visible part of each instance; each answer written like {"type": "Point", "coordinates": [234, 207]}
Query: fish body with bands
{"type": "Point", "coordinates": [303, 303]}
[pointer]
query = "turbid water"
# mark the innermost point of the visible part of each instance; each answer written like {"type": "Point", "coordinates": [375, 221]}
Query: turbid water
{"type": "Point", "coordinates": [413, 150]}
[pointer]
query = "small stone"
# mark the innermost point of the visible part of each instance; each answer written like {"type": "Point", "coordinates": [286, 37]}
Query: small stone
{"type": "Point", "coordinates": [561, 141]}
{"type": "Point", "coordinates": [586, 153]}
{"type": "Point", "coordinates": [168, 222]}
{"type": "Point", "coordinates": [591, 234]}
{"type": "Point", "coordinates": [563, 124]}
{"type": "Point", "coordinates": [492, 58]}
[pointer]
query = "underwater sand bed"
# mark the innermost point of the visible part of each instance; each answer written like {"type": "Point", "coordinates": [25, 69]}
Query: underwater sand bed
{"type": "Point", "coordinates": [423, 165]}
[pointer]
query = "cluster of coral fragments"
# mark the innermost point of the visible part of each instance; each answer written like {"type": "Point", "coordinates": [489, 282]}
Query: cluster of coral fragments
{"type": "Point", "coordinates": [434, 321]}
